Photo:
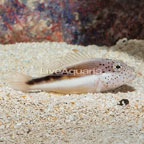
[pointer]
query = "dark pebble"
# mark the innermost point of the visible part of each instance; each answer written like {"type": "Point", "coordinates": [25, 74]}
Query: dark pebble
{"type": "Point", "coordinates": [123, 102]}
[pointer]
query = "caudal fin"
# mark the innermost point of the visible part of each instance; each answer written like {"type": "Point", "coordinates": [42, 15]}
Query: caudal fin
{"type": "Point", "coordinates": [18, 81]}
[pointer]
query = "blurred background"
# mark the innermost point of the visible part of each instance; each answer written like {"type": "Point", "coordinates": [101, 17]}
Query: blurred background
{"type": "Point", "coordinates": [82, 22]}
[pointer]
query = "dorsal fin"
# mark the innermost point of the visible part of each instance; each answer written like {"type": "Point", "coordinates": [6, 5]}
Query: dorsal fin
{"type": "Point", "coordinates": [71, 58]}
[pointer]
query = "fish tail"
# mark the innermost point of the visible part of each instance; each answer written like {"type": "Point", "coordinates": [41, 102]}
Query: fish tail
{"type": "Point", "coordinates": [19, 81]}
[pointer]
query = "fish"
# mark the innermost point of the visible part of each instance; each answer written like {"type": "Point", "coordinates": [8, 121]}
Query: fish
{"type": "Point", "coordinates": [88, 76]}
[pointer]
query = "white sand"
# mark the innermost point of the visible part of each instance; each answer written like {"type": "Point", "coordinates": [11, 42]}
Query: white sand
{"type": "Point", "coordinates": [47, 118]}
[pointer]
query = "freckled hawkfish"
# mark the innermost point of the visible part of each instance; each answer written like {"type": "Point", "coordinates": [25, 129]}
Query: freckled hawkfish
{"type": "Point", "coordinates": [92, 75]}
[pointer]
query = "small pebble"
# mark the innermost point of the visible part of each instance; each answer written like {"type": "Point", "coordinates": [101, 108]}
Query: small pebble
{"type": "Point", "coordinates": [123, 102]}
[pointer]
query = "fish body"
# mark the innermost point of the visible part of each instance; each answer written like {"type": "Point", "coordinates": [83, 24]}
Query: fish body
{"type": "Point", "coordinates": [93, 75]}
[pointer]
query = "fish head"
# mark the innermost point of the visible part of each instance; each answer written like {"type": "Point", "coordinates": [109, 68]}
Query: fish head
{"type": "Point", "coordinates": [116, 73]}
{"type": "Point", "coordinates": [124, 72]}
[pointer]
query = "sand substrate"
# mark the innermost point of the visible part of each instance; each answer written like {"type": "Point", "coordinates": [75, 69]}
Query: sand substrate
{"type": "Point", "coordinates": [48, 118]}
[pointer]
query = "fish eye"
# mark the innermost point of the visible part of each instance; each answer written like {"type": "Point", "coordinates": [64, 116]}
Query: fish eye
{"type": "Point", "coordinates": [117, 67]}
